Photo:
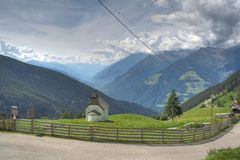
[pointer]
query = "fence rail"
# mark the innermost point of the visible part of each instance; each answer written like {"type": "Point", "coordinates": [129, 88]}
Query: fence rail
{"type": "Point", "coordinates": [114, 134]}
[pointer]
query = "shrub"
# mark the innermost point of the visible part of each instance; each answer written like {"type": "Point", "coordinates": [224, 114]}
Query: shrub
{"type": "Point", "coordinates": [67, 115]}
{"type": "Point", "coordinates": [231, 97]}
{"type": "Point", "coordinates": [194, 125]}
{"type": "Point", "coordinates": [219, 104]}
{"type": "Point", "coordinates": [80, 115]}
{"type": "Point", "coordinates": [203, 105]}
{"type": "Point", "coordinates": [163, 117]}
{"type": "Point", "coordinates": [156, 116]}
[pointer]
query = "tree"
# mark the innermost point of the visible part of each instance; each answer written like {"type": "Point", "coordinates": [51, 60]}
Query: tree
{"type": "Point", "coordinates": [172, 108]}
{"type": "Point", "coordinates": [67, 115]}
{"type": "Point", "coordinates": [80, 115]}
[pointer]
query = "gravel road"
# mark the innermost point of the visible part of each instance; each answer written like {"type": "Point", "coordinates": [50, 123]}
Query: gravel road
{"type": "Point", "coordinates": [15, 146]}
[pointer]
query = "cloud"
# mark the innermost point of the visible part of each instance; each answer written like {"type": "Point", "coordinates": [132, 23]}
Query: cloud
{"type": "Point", "coordinates": [25, 53]}
{"type": "Point", "coordinates": [190, 25]}
{"type": "Point", "coordinates": [68, 28]}
{"type": "Point", "coordinates": [220, 18]}
{"type": "Point", "coordinates": [161, 3]}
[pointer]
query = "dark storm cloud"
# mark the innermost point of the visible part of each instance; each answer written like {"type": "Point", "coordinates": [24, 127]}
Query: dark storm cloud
{"type": "Point", "coordinates": [224, 17]}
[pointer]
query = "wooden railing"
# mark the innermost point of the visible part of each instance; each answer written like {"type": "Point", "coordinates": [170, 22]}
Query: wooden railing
{"type": "Point", "coordinates": [114, 134]}
{"type": "Point", "coordinates": [5, 124]}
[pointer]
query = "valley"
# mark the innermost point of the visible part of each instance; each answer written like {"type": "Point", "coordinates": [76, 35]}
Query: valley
{"type": "Point", "coordinates": [50, 92]}
{"type": "Point", "coordinates": [124, 80]}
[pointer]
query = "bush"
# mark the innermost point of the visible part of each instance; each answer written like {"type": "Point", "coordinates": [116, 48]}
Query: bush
{"type": "Point", "coordinates": [203, 105]}
{"type": "Point", "coordinates": [219, 104]}
{"type": "Point", "coordinates": [156, 116]}
{"type": "Point", "coordinates": [80, 115]}
{"type": "Point", "coordinates": [67, 115]}
{"type": "Point", "coordinates": [231, 97]}
{"type": "Point", "coordinates": [194, 125]}
{"type": "Point", "coordinates": [163, 117]}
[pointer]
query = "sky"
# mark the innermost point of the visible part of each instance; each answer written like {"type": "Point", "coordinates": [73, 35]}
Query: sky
{"type": "Point", "coordinates": [83, 28]}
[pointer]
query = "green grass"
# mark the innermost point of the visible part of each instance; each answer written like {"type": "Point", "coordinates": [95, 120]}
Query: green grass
{"type": "Point", "coordinates": [224, 154]}
{"type": "Point", "coordinates": [125, 121]}
{"type": "Point", "coordinates": [199, 114]}
{"type": "Point", "coordinates": [195, 115]}
{"type": "Point", "coordinates": [139, 121]}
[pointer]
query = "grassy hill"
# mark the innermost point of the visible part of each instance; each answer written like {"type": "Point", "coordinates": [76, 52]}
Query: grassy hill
{"type": "Point", "coordinates": [228, 86]}
{"type": "Point", "coordinates": [195, 115]}
{"type": "Point", "coordinates": [50, 92]}
{"type": "Point", "coordinates": [201, 113]}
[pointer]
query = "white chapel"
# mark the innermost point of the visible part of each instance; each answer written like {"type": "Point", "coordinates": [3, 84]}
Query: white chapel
{"type": "Point", "coordinates": [97, 109]}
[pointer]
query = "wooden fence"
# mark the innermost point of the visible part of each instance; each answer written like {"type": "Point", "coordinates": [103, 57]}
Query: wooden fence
{"type": "Point", "coordinates": [5, 125]}
{"type": "Point", "coordinates": [114, 134]}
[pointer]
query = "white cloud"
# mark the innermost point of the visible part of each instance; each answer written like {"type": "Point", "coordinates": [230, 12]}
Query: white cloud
{"type": "Point", "coordinates": [193, 24]}
{"type": "Point", "coordinates": [25, 53]}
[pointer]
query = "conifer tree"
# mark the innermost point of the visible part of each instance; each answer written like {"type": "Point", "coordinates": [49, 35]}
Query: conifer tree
{"type": "Point", "coordinates": [172, 108]}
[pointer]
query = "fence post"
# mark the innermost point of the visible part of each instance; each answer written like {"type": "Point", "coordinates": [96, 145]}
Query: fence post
{"type": "Point", "coordinates": [13, 124]}
{"type": "Point", "coordinates": [4, 124]}
{"type": "Point", "coordinates": [117, 134]}
{"type": "Point", "coordinates": [91, 133]}
{"type": "Point", "coordinates": [212, 130]}
{"type": "Point", "coordinates": [141, 135]}
{"type": "Point", "coordinates": [194, 132]}
{"type": "Point", "coordinates": [182, 140]}
{"type": "Point", "coordinates": [216, 128]}
{"type": "Point", "coordinates": [51, 128]}
{"type": "Point", "coordinates": [32, 127]}
{"type": "Point", "coordinates": [69, 130]}
{"type": "Point", "coordinates": [9, 124]}
{"type": "Point", "coordinates": [163, 136]}
{"type": "Point", "coordinates": [220, 126]}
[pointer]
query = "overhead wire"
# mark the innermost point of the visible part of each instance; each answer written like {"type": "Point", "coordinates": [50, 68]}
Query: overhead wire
{"type": "Point", "coordinates": [132, 32]}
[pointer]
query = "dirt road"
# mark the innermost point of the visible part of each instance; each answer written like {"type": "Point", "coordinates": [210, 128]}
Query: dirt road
{"type": "Point", "coordinates": [28, 147]}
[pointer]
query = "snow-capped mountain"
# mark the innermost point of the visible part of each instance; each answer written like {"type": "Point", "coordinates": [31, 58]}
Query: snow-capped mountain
{"type": "Point", "coordinates": [26, 53]}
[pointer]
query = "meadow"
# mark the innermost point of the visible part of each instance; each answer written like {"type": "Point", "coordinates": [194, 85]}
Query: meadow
{"type": "Point", "coordinates": [198, 114]}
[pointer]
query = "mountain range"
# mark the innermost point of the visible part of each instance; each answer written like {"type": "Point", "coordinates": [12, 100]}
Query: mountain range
{"type": "Point", "coordinates": [150, 81]}
{"type": "Point", "coordinates": [146, 79]}
{"type": "Point", "coordinates": [50, 92]}
{"type": "Point", "coordinates": [115, 70]}
{"type": "Point", "coordinates": [80, 71]}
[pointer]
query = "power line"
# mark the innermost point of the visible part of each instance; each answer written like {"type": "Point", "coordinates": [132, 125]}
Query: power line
{"type": "Point", "coordinates": [131, 32]}
{"type": "Point", "coordinates": [122, 15]}
{"type": "Point", "coordinates": [117, 11]}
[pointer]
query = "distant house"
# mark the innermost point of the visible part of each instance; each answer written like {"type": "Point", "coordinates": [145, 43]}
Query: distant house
{"type": "Point", "coordinates": [97, 109]}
